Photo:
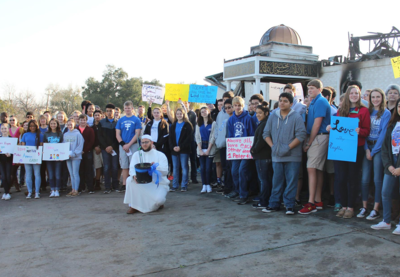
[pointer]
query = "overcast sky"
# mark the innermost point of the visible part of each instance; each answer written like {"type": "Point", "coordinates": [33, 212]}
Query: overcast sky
{"type": "Point", "coordinates": [66, 41]}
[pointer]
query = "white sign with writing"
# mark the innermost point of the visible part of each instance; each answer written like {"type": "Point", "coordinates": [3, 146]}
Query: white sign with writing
{"type": "Point", "coordinates": [152, 93]}
{"type": "Point", "coordinates": [239, 148]}
{"type": "Point", "coordinates": [275, 89]}
{"type": "Point", "coordinates": [55, 151]}
{"type": "Point", "coordinates": [7, 145]}
{"type": "Point", "coordinates": [27, 155]}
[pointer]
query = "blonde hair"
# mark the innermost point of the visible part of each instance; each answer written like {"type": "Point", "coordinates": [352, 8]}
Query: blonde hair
{"type": "Point", "coordinates": [184, 115]}
{"type": "Point", "coordinates": [64, 114]}
{"type": "Point", "coordinates": [382, 106]}
{"type": "Point", "coordinates": [238, 99]}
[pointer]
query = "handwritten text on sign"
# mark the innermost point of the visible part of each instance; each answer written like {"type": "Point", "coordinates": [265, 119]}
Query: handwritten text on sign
{"type": "Point", "coordinates": [55, 151]}
{"type": "Point", "coordinates": [152, 93]}
{"type": "Point", "coordinates": [7, 145]}
{"type": "Point", "coordinates": [343, 139]}
{"type": "Point", "coordinates": [27, 154]}
{"type": "Point", "coordinates": [239, 148]}
{"type": "Point", "coordinates": [202, 94]}
{"type": "Point", "coordinates": [175, 91]}
{"type": "Point", "coordinates": [396, 66]}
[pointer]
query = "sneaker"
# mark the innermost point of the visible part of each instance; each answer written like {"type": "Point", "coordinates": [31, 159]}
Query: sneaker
{"type": "Point", "coordinates": [297, 203]}
{"type": "Point", "coordinates": [122, 189]}
{"type": "Point", "coordinates": [116, 190]}
{"type": "Point", "coordinates": [232, 195]}
{"type": "Point", "coordinates": [362, 213]}
{"type": "Point", "coordinates": [397, 230]}
{"type": "Point", "coordinates": [243, 201]}
{"type": "Point", "coordinates": [29, 195]}
{"type": "Point", "coordinates": [73, 194]}
{"type": "Point", "coordinates": [341, 212]}
{"type": "Point", "coordinates": [220, 191]}
{"type": "Point", "coordinates": [107, 191]}
{"type": "Point", "coordinates": [37, 195]}
{"type": "Point", "coordinates": [319, 205]}
{"type": "Point", "coordinates": [256, 199]}
{"type": "Point", "coordinates": [337, 207]}
{"type": "Point", "coordinates": [91, 192]}
{"type": "Point", "coordinates": [184, 189]}
{"type": "Point", "coordinates": [4, 196]}
{"type": "Point", "coordinates": [237, 199]}
{"type": "Point", "coordinates": [348, 214]}
{"type": "Point", "coordinates": [172, 189]}
{"type": "Point", "coordinates": [289, 211]}
{"type": "Point", "coordinates": [204, 189]}
{"type": "Point", "coordinates": [56, 194]}
{"type": "Point", "coordinates": [308, 208]}
{"type": "Point", "coordinates": [214, 185]}
{"type": "Point", "coordinates": [258, 206]}
{"type": "Point", "coordinates": [382, 226]}
{"type": "Point", "coordinates": [83, 191]}
{"type": "Point", "coordinates": [270, 210]}
{"type": "Point", "coordinates": [209, 188]}
{"type": "Point", "coordinates": [373, 215]}
{"type": "Point", "coordinates": [7, 197]}
{"type": "Point", "coordinates": [52, 194]}
{"type": "Point", "coordinates": [69, 194]}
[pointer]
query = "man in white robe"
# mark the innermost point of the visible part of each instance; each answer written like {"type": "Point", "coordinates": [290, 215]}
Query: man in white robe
{"type": "Point", "coordinates": [148, 197]}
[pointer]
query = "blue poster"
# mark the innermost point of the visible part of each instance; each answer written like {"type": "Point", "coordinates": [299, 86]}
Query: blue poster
{"type": "Point", "coordinates": [343, 139]}
{"type": "Point", "coordinates": [202, 94]}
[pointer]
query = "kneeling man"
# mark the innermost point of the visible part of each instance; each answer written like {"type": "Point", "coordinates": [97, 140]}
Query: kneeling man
{"type": "Point", "coordinates": [148, 197]}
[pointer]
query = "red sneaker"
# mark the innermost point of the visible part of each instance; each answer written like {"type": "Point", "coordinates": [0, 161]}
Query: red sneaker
{"type": "Point", "coordinates": [319, 205]}
{"type": "Point", "coordinates": [170, 177]}
{"type": "Point", "coordinates": [308, 208]}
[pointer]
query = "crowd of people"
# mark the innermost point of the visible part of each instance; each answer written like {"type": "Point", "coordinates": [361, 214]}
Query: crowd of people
{"type": "Point", "coordinates": [289, 151]}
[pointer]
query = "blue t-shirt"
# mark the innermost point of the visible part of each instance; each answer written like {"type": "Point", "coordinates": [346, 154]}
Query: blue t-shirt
{"type": "Point", "coordinates": [319, 107]}
{"type": "Point", "coordinates": [43, 130]}
{"type": "Point", "coordinates": [178, 130]}
{"type": "Point", "coordinates": [205, 132]}
{"type": "Point", "coordinates": [128, 126]}
{"type": "Point", "coordinates": [30, 138]}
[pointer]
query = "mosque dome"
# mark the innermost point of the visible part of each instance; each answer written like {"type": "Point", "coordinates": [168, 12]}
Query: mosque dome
{"type": "Point", "coordinates": [281, 33]}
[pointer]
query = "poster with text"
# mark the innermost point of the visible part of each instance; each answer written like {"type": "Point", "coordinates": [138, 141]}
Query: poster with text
{"type": "Point", "coordinates": [275, 89]}
{"type": "Point", "coordinates": [55, 151]}
{"type": "Point", "coordinates": [202, 94]}
{"type": "Point", "coordinates": [174, 92]}
{"type": "Point", "coordinates": [396, 66]}
{"type": "Point", "coordinates": [152, 93]}
{"type": "Point", "coordinates": [7, 145]}
{"type": "Point", "coordinates": [27, 154]}
{"type": "Point", "coordinates": [239, 148]}
{"type": "Point", "coordinates": [343, 139]}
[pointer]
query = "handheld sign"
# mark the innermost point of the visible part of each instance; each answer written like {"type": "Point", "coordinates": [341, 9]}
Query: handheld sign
{"type": "Point", "coordinates": [175, 91]}
{"type": "Point", "coordinates": [7, 145]}
{"type": "Point", "coordinates": [396, 66]}
{"type": "Point", "coordinates": [55, 151]}
{"type": "Point", "coordinates": [27, 154]}
{"type": "Point", "coordinates": [343, 139]}
{"type": "Point", "coordinates": [239, 148]}
{"type": "Point", "coordinates": [152, 93]}
{"type": "Point", "coordinates": [202, 94]}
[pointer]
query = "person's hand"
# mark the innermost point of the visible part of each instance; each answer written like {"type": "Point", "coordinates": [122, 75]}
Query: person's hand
{"type": "Point", "coordinates": [8, 155]}
{"type": "Point", "coordinates": [180, 101]}
{"type": "Point", "coordinates": [177, 148]}
{"type": "Point", "coordinates": [167, 102]}
{"type": "Point", "coordinates": [98, 150]}
{"type": "Point", "coordinates": [368, 155]}
{"type": "Point", "coordinates": [391, 169]}
{"type": "Point", "coordinates": [150, 102]}
{"type": "Point", "coordinates": [207, 152]}
{"type": "Point", "coordinates": [358, 130]}
{"type": "Point", "coordinates": [134, 178]}
{"type": "Point", "coordinates": [109, 149]}
{"type": "Point", "coordinates": [152, 163]}
{"type": "Point", "coordinates": [328, 128]}
{"type": "Point", "coordinates": [306, 147]}
{"type": "Point", "coordinates": [396, 172]}
{"type": "Point", "coordinates": [201, 153]}
{"type": "Point", "coordinates": [126, 147]}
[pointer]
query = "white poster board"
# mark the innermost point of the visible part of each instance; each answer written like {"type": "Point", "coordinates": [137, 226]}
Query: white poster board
{"type": "Point", "coordinates": [27, 155]}
{"type": "Point", "coordinates": [275, 89]}
{"type": "Point", "coordinates": [7, 145]}
{"type": "Point", "coordinates": [55, 151]}
{"type": "Point", "coordinates": [239, 148]}
{"type": "Point", "coordinates": [153, 93]}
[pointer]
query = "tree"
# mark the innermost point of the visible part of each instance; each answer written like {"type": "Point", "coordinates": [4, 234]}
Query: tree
{"type": "Point", "coordinates": [66, 100]}
{"type": "Point", "coordinates": [7, 104]}
{"type": "Point", "coordinates": [26, 102]}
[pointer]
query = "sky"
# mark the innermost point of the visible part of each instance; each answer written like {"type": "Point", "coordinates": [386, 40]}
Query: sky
{"type": "Point", "coordinates": [65, 42]}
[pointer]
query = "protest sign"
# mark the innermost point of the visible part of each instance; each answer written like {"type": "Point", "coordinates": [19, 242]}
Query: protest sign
{"type": "Point", "coordinates": [275, 89]}
{"type": "Point", "coordinates": [175, 91]}
{"type": "Point", "coordinates": [7, 145]}
{"type": "Point", "coordinates": [343, 139]}
{"type": "Point", "coordinates": [396, 66]}
{"type": "Point", "coordinates": [152, 93]}
{"type": "Point", "coordinates": [239, 148]}
{"type": "Point", "coordinates": [27, 154]}
{"type": "Point", "coordinates": [202, 94]}
{"type": "Point", "coordinates": [55, 151]}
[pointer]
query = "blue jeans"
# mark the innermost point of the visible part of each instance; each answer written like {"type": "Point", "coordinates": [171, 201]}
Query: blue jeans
{"type": "Point", "coordinates": [54, 170]}
{"type": "Point", "coordinates": [375, 166]}
{"type": "Point", "coordinates": [205, 166]}
{"type": "Point", "coordinates": [73, 168]}
{"type": "Point", "coordinates": [180, 160]}
{"type": "Point", "coordinates": [289, 172]}
{"type": "Point", "coordinates": [264, 172]}
{"type": "Point", "coordinates": [239, 176]}
{"type": "Point", "coordinates": [389, 183]}
{"type": "Point", "coordinates": [110, 164]}
{"type": "Point", "coordinates": [29, 170]}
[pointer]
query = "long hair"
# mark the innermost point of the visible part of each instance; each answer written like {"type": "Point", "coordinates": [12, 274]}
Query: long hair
{"type": "Point", "coordinates": [184, 114]}
{"type": "Point", "coordinates": [344, 110]}
{"type": "Point", "coordinates": [200, 119]}
{"type": "Point", "coordinates": [163, 122]}
{"type": "Point", "coordinates": [34, 122]}
{"type": "Point", "coordinates": [58, 128]}
{"type": "Point", "coordinates": [382, 106]}
{"type": "Point", "coordinates": [64, 114]}
{"type": "Point", "coordinates": [395, 116]}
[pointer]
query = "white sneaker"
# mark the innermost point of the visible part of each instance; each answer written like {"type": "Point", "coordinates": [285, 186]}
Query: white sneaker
{"type": "Point", "coordinates": [7, 197]}
{"type": "Point", "coordinates": [209, 188]}
{"type": "Point", "coordinates": [363, 213]}
{"type": "Point", "coordinates": [52, 194]}
{"type": "Point", "coordinates": [397, 230]}
{"type": "Point", "coordinates": [37, 195]}
{"type": "Point", "coordinates": [56, 194]}
{"type": "Point", "coordinates": [381, 226]}
{"type": "Point", "coordinates": [204, 190]}
{"type": "Point", "coordinates": [29, 196]}
{"type": "Point", "coordinates": [4, 196]}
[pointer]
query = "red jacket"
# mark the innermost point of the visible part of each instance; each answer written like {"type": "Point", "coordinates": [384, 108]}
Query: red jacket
{"type": "Point", "coordinates": [364, 123]}
{"type": "Point", "coordinates": [89, 137]}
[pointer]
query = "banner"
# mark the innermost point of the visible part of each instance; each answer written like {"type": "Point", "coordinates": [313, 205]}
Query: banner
{"type": "Point", "coordinates": [152, 93]}
{"type": "Point", "coordinates": [175, 91]}
{"type": "Point", "coordinates": [55, 151]}
{"type": "Point", "coordinates": [239, 148]}
{"type": "Point", "coordinates": [7, 145]}
{"type": "Point", "coordinates": [203, 94]}
{"type": "Point", "coordinates": [27, 154]}
{"type": "Point", "coordinates": [275, 89]}
{"type": "Point", "coordinates": [396, 66]}
{"type": "Point", "coordinates": [343, 139]}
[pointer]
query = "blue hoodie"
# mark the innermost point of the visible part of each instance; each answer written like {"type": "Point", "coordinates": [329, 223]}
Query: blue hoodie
{"type": "Point", "coordinates": [241, 126]}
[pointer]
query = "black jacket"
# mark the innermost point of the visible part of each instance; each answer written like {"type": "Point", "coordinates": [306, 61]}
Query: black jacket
{"type": "Point", "coordinates": [106, 134]}
{"type": "Point", "coordinates": [163, 130]}
{"type": "Point", "coordinates": [260, 149]}
{"type": "Point", "coordinates": [387, 154]}
{"type": "Point", "coordinates": [185, 139]}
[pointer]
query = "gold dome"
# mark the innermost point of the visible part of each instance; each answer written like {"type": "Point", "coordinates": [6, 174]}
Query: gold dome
{"type": "Point", "coordinates": [281, 33]}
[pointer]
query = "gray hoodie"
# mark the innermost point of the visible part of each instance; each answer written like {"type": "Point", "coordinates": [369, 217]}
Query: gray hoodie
{"type": "Point", "coordinates": [76, 142]}
{"type": "Point", "coordinates": [220, 134]}
{"type": "Point", "coordinates": [283, 132]}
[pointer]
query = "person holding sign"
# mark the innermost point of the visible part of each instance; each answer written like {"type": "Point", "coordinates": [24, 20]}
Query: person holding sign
{"type": "Point", "coordinates": [347, 179]}
{"type": "Point", "coordinates": [5, 165]}
{"type": "Point", "coordinates": [32, 138]}
{"type": "Point", "coordinates": [15, 132]}
{"type": "Point", "coordinates": [158, 129]}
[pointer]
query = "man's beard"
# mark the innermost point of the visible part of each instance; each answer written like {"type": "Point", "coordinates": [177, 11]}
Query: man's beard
{"type": "Point", "coordinates": [147, 150]}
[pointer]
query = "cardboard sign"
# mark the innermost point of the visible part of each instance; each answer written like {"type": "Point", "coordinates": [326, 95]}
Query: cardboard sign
{"type": "Point", "coordinates": [239, 148]}
{"type": "Point", "coordinates": [275, 89]}
{"type": "Point", "coordinates": [396, 66]}
{"type": "Point", "coordinates": [55, 151]}
{"type": "Point", "coordinates": [202, 94]}
{"type": "Point", "coordinates": [175, 91]}
{"type": "Point", "coordinates": [27, 154]}
{"type": "Point", "coordinates": [343, 139]}
{"type": "Point", "coordinates": [7, 145]}
{"type": "Point", "coordinates": [152, 93]}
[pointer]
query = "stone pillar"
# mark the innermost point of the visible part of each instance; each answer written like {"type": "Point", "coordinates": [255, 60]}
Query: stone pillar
{"type": "Point", "coordinates": [258, 84]}
{"type": "Point", "coordinates": [228, 86]}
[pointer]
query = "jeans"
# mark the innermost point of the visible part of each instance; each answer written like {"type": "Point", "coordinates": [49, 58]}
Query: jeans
{"type": "Point", "coordinates": [29, 170]}
{"type": "Point", "coordinates": [86, 171]}
{"type": "Point", "coordinates": [239, 175]}
{"type": "Point", "coordinates": [54, 170]}
{"type": "Point", "coordinates": [22, 174]}
{"type": "Point", "coordinates": [286, 172]}
{"type": "Point", "coordinates": [205, 166]}
{"type": "Point", "coordinates": [5, 170]}
{"type": "Point", "coordinates": [193, 162]}
{"type": "Point", "coordinates": [264, 172]}
{"type": "Point", "coordinates": [110, 164]}
{"type": "Point", "coordinates": [377, 166]}
{"type": "Point", "coordinates": [180, 160]}
{"type": "Point", "coordinates": [73, 168]}
{"type": "Point", "coordinates": [226, 169]}
{"type": "Point", "coordinates": [389, 183]}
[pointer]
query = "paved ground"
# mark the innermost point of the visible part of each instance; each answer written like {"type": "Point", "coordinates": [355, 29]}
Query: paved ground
{"type": "Point", "coordinates": [194, 235]}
